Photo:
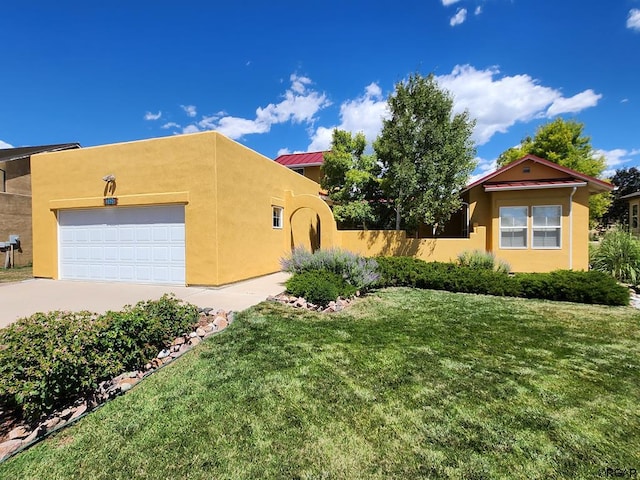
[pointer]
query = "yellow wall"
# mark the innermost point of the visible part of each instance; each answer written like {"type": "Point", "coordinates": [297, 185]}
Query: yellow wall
{"type": "Point", "coordinates": [313, 173]}
{"type": "Point", "coordinates": [392, 243]}
{"type": "Point", "coordinates": [544, 260]}
{"type": "Point", "coordinates": [228, 191]}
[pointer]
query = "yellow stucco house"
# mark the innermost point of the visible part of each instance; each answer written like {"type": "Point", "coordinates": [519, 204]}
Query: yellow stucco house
{"type": "Point", "coordinates": [202, 209]}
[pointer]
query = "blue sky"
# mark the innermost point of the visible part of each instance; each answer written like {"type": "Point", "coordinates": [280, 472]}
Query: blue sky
{"type": "Point", "coordinates": [278, 76]}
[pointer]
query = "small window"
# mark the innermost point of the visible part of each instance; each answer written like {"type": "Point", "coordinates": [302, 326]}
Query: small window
{"type": "Point", "coordinates": [277, 217]}
{"type": "Point", "coordinates": [634, 216]}
{"type": "Point", "coordinates": [299, 170]}
{"type": "Point", "coordinates": [3, 187]}
{"type": "Point", "coordinates": [547, 226]}
{"type": "Point", "coordinates": [513, 227]}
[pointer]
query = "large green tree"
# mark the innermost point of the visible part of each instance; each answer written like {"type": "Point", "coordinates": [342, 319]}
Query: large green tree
{"type": "Point", "coordinates": [426, 152]}
{"type": "Point", "coordinates": [563, 142]}
{"type": "Point", "coordinates": [350, 178]}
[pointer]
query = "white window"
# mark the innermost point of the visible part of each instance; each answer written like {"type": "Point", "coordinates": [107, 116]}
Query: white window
{"type": "Point", "coordinates": [513, 227]}
{"type": "Point", "coordinates": [634, 216]}
{"type": "Point", "coordinates": [277, 217]}
{"type": "Point", "coordinates": [547, 226]}
{"type": "Point", "coordinates": [299, 170]}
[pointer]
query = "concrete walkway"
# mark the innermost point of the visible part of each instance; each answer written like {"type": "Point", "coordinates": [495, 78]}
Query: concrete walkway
{"type": "Point", "coordinates": [23, 299]}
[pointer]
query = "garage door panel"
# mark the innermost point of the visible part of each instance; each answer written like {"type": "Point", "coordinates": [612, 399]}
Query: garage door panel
{"type": "Point", "coordinates": [128, 244]}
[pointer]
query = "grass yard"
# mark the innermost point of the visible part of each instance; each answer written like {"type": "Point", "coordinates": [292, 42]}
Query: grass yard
{"type": "Point", "coordinates": [404, 384]}
{"type": "Point", "coordinates": [17, 274]}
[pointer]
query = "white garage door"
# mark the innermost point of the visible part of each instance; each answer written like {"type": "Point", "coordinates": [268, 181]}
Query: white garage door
{"type": "Point", "coordinates": [123, 244]}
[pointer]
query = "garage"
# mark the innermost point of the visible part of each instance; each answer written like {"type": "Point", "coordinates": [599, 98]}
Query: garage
{"type": "Point", "coordinates": [123, 244]}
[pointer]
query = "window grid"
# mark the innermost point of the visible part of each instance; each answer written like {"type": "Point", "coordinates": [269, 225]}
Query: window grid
{"type": "Point", "coordinates": [276, 217]}
{"type": "Point", "coordinates": [513, 227]}
{"type": "Point", "coordinates": [546, 232]}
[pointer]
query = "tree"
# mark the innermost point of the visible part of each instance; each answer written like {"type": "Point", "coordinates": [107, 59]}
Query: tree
{"type": "Point", "coordinates": [626, 180]}
{"type": "Point", "coordinates": [426, 153]}
{"type": "Point", "coordinates": [563, 142]}
{"type": "Point", "coordinates": [350, 178]}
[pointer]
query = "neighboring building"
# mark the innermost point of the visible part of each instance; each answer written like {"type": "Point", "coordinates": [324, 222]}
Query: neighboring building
{"type": "Point", "coordinates": [15, 197]}
{"type": "Point", "coordinates": [307, 164]}
{"type": "Point", "coordinates": [634, 206]}
{"type": "Point", "coordinates": [202, 209]}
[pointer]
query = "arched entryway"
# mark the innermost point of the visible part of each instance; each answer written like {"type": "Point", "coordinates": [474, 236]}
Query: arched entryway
{"type": "Point", "coordinates": [311, 222]}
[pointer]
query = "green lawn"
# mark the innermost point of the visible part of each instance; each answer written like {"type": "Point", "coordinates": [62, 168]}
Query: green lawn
{"type": "Point", "coordinates": [404, 384]}
{"type": "Point", "coordinates": [17, 274]}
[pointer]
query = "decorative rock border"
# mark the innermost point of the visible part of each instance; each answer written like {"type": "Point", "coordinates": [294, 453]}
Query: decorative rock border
{"type": "Point", "coordinates": [23, 436]}
{"type": "Point", "coordinates": [299, 302]}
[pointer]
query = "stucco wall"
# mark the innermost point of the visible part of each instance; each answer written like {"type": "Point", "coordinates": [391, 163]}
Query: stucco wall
{"type": "Point", "coordinates": [249, 184]}
{"type": "Point", "coordinates": [15, 219]}
{"type": "Point", "coordinates": [228, 191]}
{"type": "Point", "coordinates": [543, 260]}
{"type": "Point", "coordinates": [392, 243]}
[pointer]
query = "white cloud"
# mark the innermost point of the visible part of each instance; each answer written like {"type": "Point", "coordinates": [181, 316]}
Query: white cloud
{"type": "Point", "coordinates": [499, 103]}
{"type": "Point", "coordinates": [190, 129]}
{"type": "Point", "coordinates": [170, 125]}
{"type": "Point", "coordinates": [483, 167]}
{"type": "Point", "coordinates": [615, 158]}
{"type": "Point", "coordinates": [363, 114]}
{"type": "Point", "coordinates": [152, 116]}
{"type": "Point", "coordinates": [633, 20]}
{"type": "Point", "coordinates": [459, 17]}
{"type": "Point", "coordinates": [190, 110]}
{"type": "Point", "coordinates": [5, 145]}
{"type": "Point", "coordinates": [300, 104]}
{"type": "Point", "coordinates": [478, 10]}
{"type": "Point", "coordinates": [446, 3]}
{"type": "Point", "coordinates": [574, 104]}
{"type": "Point", "coordinates": [283, 151]}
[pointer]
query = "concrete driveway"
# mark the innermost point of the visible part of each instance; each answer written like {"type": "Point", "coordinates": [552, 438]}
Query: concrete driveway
{"type": "Point", "coordinates": [23, 299]}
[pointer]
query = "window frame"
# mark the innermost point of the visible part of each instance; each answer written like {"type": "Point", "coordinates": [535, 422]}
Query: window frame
{"type": "Point", "coordinates": [299, 170]}
{"type": "Point", "coordinates": [634, 216]}
{"type": "Point", "coordinates": [502, 228]}
{"type": "Point", "coordinates": [535, 228]}
{"type": "Point", "coordinates": [277, 217]}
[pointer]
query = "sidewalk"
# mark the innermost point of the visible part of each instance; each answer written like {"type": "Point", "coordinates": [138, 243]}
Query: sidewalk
{"type": "Point", "coordinates": [23, 299]}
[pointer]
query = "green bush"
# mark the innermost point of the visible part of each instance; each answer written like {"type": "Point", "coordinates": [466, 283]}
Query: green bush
{"type": "Point", "coordinates": [570, 286]}
{"type": "Point", "coordinates": [479, 259]}
{"type": "Point", "coordinates": [355, 269]}
{"type": "Point", "coordinates": [583, 287]}
{"type": "Point", "coordinates": [319, 287]}
{"type": "Point", "coordinates": [618, 255]}
{"type": "Point", "coordinates": [49, 360]}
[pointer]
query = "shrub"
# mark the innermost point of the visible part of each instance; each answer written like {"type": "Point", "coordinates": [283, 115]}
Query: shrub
{"type": "Point", "coordinates": [319, 287]}
{"type": "Point", "coordinates": [356, 270]}
{"type": "Point", "coordinates": [618, 255]}
{"type": "Point", "coordinates": [478, 259]}
{"type": "Point", "coordinates": [584, 287]}
{"type": "Point", "coordinates": [573, 286]}
{"type": "Point", "coordinates": [50, 359]}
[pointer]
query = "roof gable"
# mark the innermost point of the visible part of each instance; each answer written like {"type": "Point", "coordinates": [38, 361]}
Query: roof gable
{"type": "Point", "coordinates": [552, 174]}
{"type": "Point", "coordinates": [9, 154]}
{"type": "Point", "coordinates": [309, 159]}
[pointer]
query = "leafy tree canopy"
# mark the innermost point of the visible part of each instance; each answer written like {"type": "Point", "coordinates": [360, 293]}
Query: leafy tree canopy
{"type": "Point", "coordinates": [563, 142]}
{"type": "Point", "coordinates": [426, 152]}
{"type": "Point", "coordinates": [350, 178]}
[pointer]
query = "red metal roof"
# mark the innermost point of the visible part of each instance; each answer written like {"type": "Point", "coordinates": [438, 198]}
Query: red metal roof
{"type": "Point", "coordinates": [530, 184]}
{"type": "Point", "coordinates": [309, 159]}
{"type": "Point", "coordinates": [599, 184]}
